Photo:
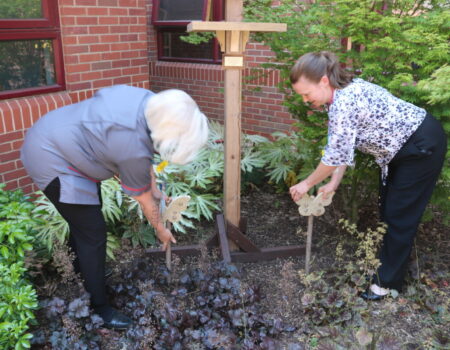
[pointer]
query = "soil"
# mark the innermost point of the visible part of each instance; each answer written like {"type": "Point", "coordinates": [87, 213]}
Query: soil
{"type": "Point", "coordinates": [273, 220]}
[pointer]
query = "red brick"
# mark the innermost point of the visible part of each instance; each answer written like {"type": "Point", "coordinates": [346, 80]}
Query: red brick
{"type": "Point", "coordinates": [77, 68]}
{"type": "Point", "coordinates": [67, 21]}
{"type": "Point", "coordinates": [73, 78]}
{"type": "Point", "coordinates": [139, 62]}
{"type": "Point", "coordinates": [111, 56]}
{"type": "Point", "coordinates": [110, 38]}
{"type": "Point", "coordinates": [8, 121]}
{"type": "Point", "coordinates": [85, 2]}
{"type": "Point", "coordinates": [80, 86]}
{"type": "Point", "coordinates": [142, 77]}
{"type": "Point", "coordinates": [93, 57]}
{"type": "Point", "coordinates": [112, 73]}
{"type": "Point", "coordinates": [100, 30]}
{"type": "Point", "coordinates": [122, 80]}
{"type": "Point", "coordinates": [121, 63]}
{"type": "Point", "coordinates": [127, 3]}
{"type": "Point", "coordinates": [72, 11]}
{"type": "Point", "coordinates": [91, 76]}
{"type": "Point", "coordinates": [99, 47]}
{"type": "Point", "coordinates": [107, 2]}
{"type": "Point", "coordinates": [97, 11]}
{"type": "Point", "coordinates": [128, 20]}
{"type": "Point", "coordinates": [117, 11]}
{"type": "Point", "coordinates": [72, 50]}
{"type": "Point", "coordinates": [138, 46]}
{"type": "Point", "coordinates": [101, 65]}
{"type": "Point", "coordinates": [5, 157]}
{"type": "Point", "coordinates": [121, 29]}
{"type": "Point", "coordinates": [135, 12]}
{"type": "Point", "coordinates": [5, 147]}
{"type": "Point", "coordinates": [129, 37]}
{"type": "Point", "coordinates": [6, 166]}
{"type": "Point", "coordinates": [75, 30]}
{"type": "Point", "coordinates": [131, 71]}
{"type": "Point", "coordinates": [23, 182]}
{"type": "Point", "coordinates": [11, 186]}
{"type": "Point", "coordinates": [108, 20]}
{"type": "Point", "coordinates": [102, 83]}
{"type": "Point", "coordinates": [14, 175]}
{"type": "Point", "coordinates": [120, 47]}
{"type": "Point", "coordinates": [88, 39]}
{"type": "Point", "coordinates": [71, 59]}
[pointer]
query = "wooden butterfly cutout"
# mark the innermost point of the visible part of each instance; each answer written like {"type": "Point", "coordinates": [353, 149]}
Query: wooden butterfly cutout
{"type": "Point", "coordinates": [173, 211]}
{"type": "Point", "coordinates": [310, 205]}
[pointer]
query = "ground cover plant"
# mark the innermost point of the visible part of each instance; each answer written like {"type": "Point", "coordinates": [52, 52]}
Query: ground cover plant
{"type": "Point", "coordinates": [265, 305]}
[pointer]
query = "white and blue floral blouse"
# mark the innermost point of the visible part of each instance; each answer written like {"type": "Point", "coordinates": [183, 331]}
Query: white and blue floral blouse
{"type": "Point", "coordinates": [369, 118]}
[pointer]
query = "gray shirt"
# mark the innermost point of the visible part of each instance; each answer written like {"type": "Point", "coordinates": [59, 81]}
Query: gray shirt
{"type": "Point", "coordinates": [90, 141]}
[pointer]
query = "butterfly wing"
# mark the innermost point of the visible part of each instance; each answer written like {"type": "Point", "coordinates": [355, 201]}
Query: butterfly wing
{"type": "Point", "coordinates": [175, 208]}
{"type": "Point", "coordinates": [304, 205]}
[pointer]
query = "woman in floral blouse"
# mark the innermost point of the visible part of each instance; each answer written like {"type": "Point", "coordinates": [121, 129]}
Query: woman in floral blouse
{"type": "Point", "coordinates": [408, 144]}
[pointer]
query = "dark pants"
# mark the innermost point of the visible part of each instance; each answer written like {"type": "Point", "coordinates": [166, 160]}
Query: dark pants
{"type": "Point", "coordinates": [88, 241]}
{"type": "Point", "coordinates": [412, 176]}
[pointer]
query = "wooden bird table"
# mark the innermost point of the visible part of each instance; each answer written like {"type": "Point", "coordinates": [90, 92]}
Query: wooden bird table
{"type": "Point", "coordinates": [233, 35]}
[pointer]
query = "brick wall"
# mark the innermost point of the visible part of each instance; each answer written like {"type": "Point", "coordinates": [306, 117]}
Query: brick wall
{"type": "Point", "coordinates": [262, 109]}
{"type": "Point", "coordinates": [105, 42]}
{"type": "Point", "coordinates": [108, 42]}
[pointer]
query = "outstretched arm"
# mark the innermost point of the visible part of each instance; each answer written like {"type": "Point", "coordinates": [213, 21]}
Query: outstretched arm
{"type": "Point", "coordinates": [318, 175]}
{"type": "Point", "coordinates": [336, 178]}
{"type": "Point", "coordinates": [150, 208]}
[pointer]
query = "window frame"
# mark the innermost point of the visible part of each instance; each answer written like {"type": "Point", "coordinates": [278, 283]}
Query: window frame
{"type": "Point", "coordinates": [46, 28]}
{"type": "Point", "coordinates": [161, 27]}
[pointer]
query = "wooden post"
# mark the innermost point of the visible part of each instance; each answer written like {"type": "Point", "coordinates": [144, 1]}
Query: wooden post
{"type": "Point", "coordinates": [233, 35]}
{"type": "Point", "coordinates": [233, 100]}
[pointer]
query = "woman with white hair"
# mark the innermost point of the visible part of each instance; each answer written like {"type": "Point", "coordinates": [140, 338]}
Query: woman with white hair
{"type": "Point", "coordinates": [70, 150]}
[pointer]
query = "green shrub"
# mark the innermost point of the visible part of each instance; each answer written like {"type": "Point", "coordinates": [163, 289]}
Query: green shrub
{"type": "Point", "coordinates": [17, 296]}
{"type": "Point", "coordinates": [401, 45]}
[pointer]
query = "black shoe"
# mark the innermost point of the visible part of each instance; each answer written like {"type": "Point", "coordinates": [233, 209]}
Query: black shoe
{"type": "Point", "coordinates": [118, 321]}
{"type": "Point", "coordinates": [371, 296]}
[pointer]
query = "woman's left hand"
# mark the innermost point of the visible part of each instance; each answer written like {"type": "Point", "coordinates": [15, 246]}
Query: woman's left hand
{"type": "Point", "coordinates": [299, 190]}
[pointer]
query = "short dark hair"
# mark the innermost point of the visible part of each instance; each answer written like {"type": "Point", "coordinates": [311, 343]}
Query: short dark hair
{"type": "Point", "coordinates": [314, 65]}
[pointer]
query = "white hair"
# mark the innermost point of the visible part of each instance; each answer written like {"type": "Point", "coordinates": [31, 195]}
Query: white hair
{"type": "Point", "coordinates": [178, 128]}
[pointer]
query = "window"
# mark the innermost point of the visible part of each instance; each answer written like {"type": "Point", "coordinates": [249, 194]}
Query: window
{"type": "Point", "coordinates": [170, 18]}
{"type": "Point", "coordinates": [31, 59]}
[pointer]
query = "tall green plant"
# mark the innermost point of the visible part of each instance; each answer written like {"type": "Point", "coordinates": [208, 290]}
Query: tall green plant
{"type": "Point", "coordinates": [17, 297]}
{"type": "Point", "coordinates": [401, 45]}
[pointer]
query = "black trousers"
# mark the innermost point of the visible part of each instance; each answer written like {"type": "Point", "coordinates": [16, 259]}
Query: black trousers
{"type": "Point", "coordinates": [412, 176]}
{"type": "Point", "coordinates": [88, 241]}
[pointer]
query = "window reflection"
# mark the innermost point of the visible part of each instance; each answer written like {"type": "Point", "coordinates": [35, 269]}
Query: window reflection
{"type": "Point", "coordinates": [20, 9]}
{"type": "Point", "coordinates": [26, 63]}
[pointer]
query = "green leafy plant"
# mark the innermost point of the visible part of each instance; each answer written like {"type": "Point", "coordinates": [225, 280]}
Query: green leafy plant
{"type": "Point", "coordinates": [203, 178]}
{"type": "Point", "coordinates": [17, 296]}
{"type": "Point", "coordinates": [400, 45]}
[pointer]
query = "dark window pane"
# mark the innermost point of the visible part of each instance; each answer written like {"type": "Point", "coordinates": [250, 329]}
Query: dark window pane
{"type": "Point", "coordinates": [177, 10]}
{"type": "Point", "coordinates": [20, 9]}
{"type": "Point", "coordinates": [174, 47]}
{"type": "Point", "coordinates": [26, 64]}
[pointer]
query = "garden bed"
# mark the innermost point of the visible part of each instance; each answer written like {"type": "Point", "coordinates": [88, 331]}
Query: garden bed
{"type": "Point", "coordinates": [204, 304]}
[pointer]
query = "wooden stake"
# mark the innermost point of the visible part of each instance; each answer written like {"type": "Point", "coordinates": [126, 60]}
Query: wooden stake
{"type": "Point", "coordinates": [308, 242]}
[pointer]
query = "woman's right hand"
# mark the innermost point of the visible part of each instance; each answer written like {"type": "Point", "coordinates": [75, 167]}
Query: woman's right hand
{"type": "Point", "coordinates": [328, 188]}
{"type": "Point", "coordinates": [165, 236]}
